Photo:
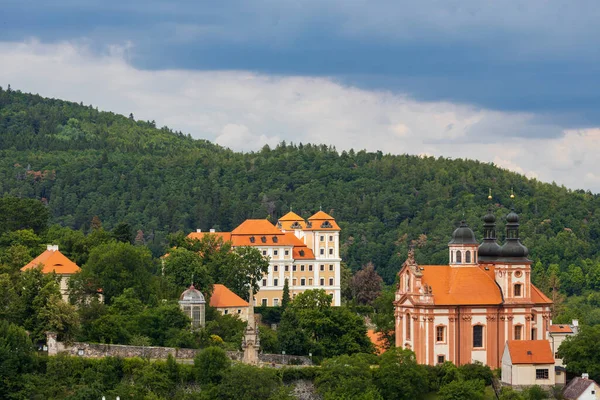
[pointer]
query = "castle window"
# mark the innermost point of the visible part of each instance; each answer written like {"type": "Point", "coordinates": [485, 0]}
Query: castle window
{"type": "Point", "coordinates": [321, 238]}
{"type": "Point", "coordinates": [458, 257]}
{"type": "Point", "coordinates": [478, 336]}
{"type": "Point", "coordinates": [264, 282]}
{"type": "Point", "coordinates": [287, 268]}
{"type": "Point", "coordinates": [294, 268]}
{"type": "Point", "coordinates": [518, 332]}
{"type": "Point", "coordinates": [287, 252]}
{"type": "Point", "coordinates": [275, 282]}
{"type": "Point", "coordinates": [275, 268]}
{"type": "Point", "coordinates": [302, 282]}
{"type": "Point", "coordinates": [302, 268]}
{"type": "Point", "coordinates": [468, 257]}
{"type": "Point", "coordinates": [322, 282]}
{"type": "Point", "coordinates": [331, 238]}
{"type": "Point", "coordinates": [264, 302]}
{"type": "Point", "coordinates": [330, 281]}
{"type": "Point", "coordinates": [275, 302]}
{"type": "Point", "coordinates": [275, 252]}
{"type": "Point", "coordinates": [440, 334]}
{"type": "Point", "coordinates": [330, 267]}
{"type": "Point", "coordinates": [407, 326]}
{"type": "Point", "coordinates": [331, 252]}
{"type": "Point", "coordinates": [264, 252]}
{"type": "Point", "coordinates": [294, 282]}
{"type": "Point", "coordinates": [322, 251]}
{"type": "Point", "coordinates": [310, 281]}
{"type": "Point", "coordinates": [517, 290]}
{"type": "Point", "coordinates": [310, 267]}
{"type": "Point", "coordinates": [322, 268]}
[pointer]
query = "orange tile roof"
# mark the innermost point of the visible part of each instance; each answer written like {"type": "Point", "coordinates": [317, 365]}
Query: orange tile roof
{"type": "Point", "coordinates": [538, 297]}
{"type": "Point", "coordinates": [530, 352]}
{"type": "Point", "coordinates": [560, 329]}
{"type": "Point", "coordinates": [291, 216]}
{"type": "Point", "coordinates": [226, 236]}
{"type": "Point", "coordinates": [223, 297]}
{"type": "Point", "coordinates": [461, 285]}
{"type": "Point", "coordinates": [256, 227]}
{"type": "Point", "coordinates": [377, 340]}
{"type": "Point", "coordinates": [53, 261]}
{"type": "Point", "coordinates": [318, 219]}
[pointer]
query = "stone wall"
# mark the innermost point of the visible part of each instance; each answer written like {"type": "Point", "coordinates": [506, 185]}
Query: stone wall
{"type": "Point", "coordinates": [96, 350]}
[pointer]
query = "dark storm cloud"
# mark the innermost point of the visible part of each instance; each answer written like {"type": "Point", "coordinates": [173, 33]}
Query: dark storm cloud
{"type": "Point", "coordinates": [532, 56]}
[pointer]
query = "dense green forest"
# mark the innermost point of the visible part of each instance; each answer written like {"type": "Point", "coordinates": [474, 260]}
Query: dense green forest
{"type": "Point", "coordinates": [82, 163]}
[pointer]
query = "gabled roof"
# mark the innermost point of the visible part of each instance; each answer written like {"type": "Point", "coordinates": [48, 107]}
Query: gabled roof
{"type": "Point", "coordinates": [576, 387]}
{"type": "Point", "coordinates": [291, 216]}
{"type": "Point", "coordinates": [560, 329]}
{"type": "Point", "coordinates": [226, 236]}
{"type": "Point", "coordinates": [538, 297]}
{"type": "Point", "coordinates": [321, 221]}
{"type": "Point", "coordinates": [53, 261]}
{"type": "Point", "coordinates": [256, 227]}
{"type": "Point", "coordinates": [530, 352]}
{"type": "Point", "coordinates": [223, 297]}
{"type": "Point", "coordinates": [460, 285]}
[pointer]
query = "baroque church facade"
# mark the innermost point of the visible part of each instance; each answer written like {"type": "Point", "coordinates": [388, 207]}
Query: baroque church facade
{"type": "Point", "coordinates": [466, 311]}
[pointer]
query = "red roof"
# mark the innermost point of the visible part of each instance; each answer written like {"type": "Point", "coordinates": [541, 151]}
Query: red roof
{"type": "Point", "coordinates": [530, 352]}
{"type": "Point", "coordinates": [223, 297]}
{"type": "Point", "coordinates": [461, 285]}
{"type": "Point", "coordinates": [291, 216]}
{"type": "Point", "coordinates": [560, 329]}
{"type": "Point", "coordinates": [256, 227]}
{"type": "Point", "coordinates": [538, 297]}
{"type": "Point", "coordinates": [53, 261]}
{"type": "Point", "coordinates": [321, 218]}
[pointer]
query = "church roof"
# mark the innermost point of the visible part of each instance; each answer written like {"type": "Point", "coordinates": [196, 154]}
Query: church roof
{"type": "Point", "coordinates": [530, 352]}
{"type": "Point", "coordinates": [223, 297]}
{"type": "Point", "coordinates": [53, 260]}
{"type": "Point", "coordinates": [461, 286]}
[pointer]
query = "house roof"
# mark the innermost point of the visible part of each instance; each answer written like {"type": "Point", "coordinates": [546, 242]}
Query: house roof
{"type": "Point", "coordinates": [53, 260]}
{"type": "Point", "coordinates": [530, 352]}
{"type": "Point", "coordinates": [226, 236]}
{"type": "Point", "coordinates": [461, 286]}
{"type": "Point", "coordinates": [560, 329]}
{"type": "Point", "coordinates": [223, 297]}
{"type": "Point", "coordinates": [256, 227]}
{"type": "Point", "coordinates": [576, 387]}
{"type": "Point", "coordinates": [291, 221]}
{"type": "Point", "coordinates": [291, 216]}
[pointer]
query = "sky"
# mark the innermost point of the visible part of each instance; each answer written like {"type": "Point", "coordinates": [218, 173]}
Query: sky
{"type": "Point", "coordinates": [512, 82]}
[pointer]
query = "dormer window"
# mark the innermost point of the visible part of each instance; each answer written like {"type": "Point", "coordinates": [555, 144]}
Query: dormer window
{"type": "Point", "coordinates": [301, 252]}
{"type": "Point", "coordinates": [252, 239]}
{"type": "Point", "coordinates": [275, 239]}
{"type": "Point", "coordinates": [326, 224]}
{"type": "Point", "coordinates": [263, 239]}
{"type": "Point", "coordinates": [296, 225]}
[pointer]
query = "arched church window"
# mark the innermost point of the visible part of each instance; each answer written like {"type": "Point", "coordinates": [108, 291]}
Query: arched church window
{"type": "Point", "coordinates": [407, 282]}
{"type": "Point", "coordinates": [458, 257]}
{"type": "Point", "coordinates": [451, 257]}
{"type": "Point", "coordinates": [468, 257]}
{"type": "Point", "coordinates": [407, 326]}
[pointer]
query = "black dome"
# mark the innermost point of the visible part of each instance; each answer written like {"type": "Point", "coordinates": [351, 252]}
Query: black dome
{"type": "Point", "coordinates": [463, 235]}
{"type": "Point", "coordinates": [489, 218]}
{"type": "Point", "coordinates": [513, 249]}
{"type": "Point", "coordinates": [489, 250]}
{"type": "Point", "coordinates": [512, 217]}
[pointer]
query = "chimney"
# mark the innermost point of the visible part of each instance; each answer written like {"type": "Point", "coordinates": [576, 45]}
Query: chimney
{"type": "Point", "coordinates": [212, 231]}
{"type": "Point", "coordinates": [52, 247]}
{"type": "Point", "coordinates": [199, 230]}
{"type": "Point", "coordinates": [575, 322]}
{"type": "Point", "coordinates": [585, 376]}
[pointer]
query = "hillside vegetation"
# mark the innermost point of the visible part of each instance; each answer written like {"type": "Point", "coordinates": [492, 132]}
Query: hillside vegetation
{"type": "Point", "coordinates": [82, 163]}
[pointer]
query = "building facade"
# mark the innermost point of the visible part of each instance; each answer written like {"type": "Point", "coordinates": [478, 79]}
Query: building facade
{"type": "Point", "coordinates": [303, 252]}
{"type": "Point", "coordinates": [466, 311]}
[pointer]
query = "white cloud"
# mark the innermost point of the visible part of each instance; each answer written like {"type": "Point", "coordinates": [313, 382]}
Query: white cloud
{"type": "Point", "coordinates": [244, 111]}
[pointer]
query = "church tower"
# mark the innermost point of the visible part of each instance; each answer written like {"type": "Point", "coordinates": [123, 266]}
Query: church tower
{"type": "Point", "coordinates": [463, 247]}
{"type": "Point", "coordinates": [489, 251]}
{"type": "Point", "coordinates": [513, 268]}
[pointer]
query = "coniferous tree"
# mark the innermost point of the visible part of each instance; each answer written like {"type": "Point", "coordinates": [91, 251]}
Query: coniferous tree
{"type": "Point", "coordinates": [285, 298]}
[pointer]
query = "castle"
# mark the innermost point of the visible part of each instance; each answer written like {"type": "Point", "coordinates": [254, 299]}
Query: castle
{"type": "Point", "coordinates": [466, 311]}
{"type": "Point", "coordinates": [305, 253]}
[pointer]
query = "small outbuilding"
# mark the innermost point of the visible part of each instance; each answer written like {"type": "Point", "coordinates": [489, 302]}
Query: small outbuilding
{"type": "Point", "coordinates": [528, 362]}
{"type": "Point", "coordinates": [193, 305]}
{"type": "Point", "coordinates": [228, 303]}
{"type": "Point", "coordinates": [582, 388]}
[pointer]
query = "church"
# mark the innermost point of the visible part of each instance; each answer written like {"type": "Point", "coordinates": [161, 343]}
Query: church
{"type": "Point", "coordinates": [466, 311]}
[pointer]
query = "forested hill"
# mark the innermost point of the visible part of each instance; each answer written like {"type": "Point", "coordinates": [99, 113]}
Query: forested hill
{"type": "Point", "coordinates": [84, 163]}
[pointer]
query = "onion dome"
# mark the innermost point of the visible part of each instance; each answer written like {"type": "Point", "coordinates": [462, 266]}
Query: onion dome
{"type": "Point", "coordinates": [192, 295]}
{"type": "Point", "coordinates": [489, 250]}
{"type": "Point", "coordinates": [463, 235]}
{"type": "Point", "coordinates": [513, 249]}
